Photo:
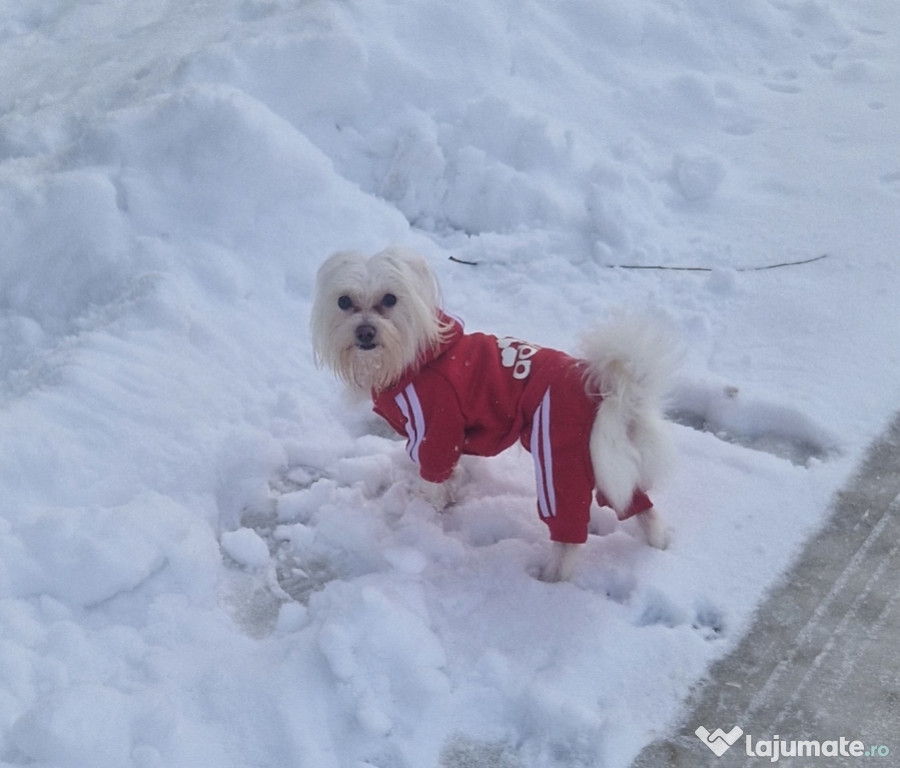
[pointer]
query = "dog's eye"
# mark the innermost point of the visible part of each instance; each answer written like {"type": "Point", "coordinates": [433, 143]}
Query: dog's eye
{"type": "Point", "coordinates": [389, 300]}
{"type": "Point", "coordinates": [345, 302]}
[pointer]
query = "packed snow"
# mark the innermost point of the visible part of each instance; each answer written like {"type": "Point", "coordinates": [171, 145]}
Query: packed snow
{"type": "Point", "coordinates": [210, 556]}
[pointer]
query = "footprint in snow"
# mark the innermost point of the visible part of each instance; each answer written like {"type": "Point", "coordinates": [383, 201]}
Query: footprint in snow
{"type": "Point", "coordinates": [295, 478]}
{"type": "Point", "coordinates": [267, 566]}
{"type": "Point", "coordinates": [655, 609]}
{"type": "Point", "coordinates": [891, 179]}
{"type": "Point", "coordinates": [781, 430]}
{"type": "Point", "coordinates": [784, 81]}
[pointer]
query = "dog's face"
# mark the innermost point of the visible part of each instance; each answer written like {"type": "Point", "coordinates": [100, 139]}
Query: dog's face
{"type": "Point", "coordinates": [374, 317]}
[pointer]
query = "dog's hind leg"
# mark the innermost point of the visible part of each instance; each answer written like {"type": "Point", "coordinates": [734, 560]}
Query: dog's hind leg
{"type": "Point", "coordinates": [561, 565]}
{"type": "Point", "coordinates": [654, 528]}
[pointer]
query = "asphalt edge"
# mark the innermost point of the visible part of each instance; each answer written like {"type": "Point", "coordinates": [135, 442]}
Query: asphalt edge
{"type": "Point", "coordinates": [754, 685]}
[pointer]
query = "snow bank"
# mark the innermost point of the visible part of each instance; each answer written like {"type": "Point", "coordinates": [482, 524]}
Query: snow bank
{"type": "Point", "coordinates": [209, 556]}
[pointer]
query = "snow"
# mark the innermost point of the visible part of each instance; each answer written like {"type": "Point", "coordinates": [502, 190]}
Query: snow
{"type": "Point", "coordinates": [208, 555]}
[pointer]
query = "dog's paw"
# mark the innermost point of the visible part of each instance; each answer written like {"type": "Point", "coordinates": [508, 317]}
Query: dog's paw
{"type": "Point", "coordinates": [442, 495]}
{"type": "Point", "coordinates": [656, 534]}
{"type": "Point", "coordinates": [561, 565]}
{"type": "Point", "coordinates": [438, 495]}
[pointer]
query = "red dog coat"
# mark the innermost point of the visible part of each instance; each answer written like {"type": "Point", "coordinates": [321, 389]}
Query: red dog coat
{"type": "Point", "coordinates": [477, 394]}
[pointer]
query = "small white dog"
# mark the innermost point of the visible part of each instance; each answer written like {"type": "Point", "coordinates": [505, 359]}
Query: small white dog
{"type": "Point", "coordinates": [593, 425]}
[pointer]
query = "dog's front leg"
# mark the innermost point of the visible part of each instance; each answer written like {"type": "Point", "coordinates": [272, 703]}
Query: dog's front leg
{"type": "Point", "coordinates": [438, 495]}
{"type": "Point", "coordinates": [441, 495]}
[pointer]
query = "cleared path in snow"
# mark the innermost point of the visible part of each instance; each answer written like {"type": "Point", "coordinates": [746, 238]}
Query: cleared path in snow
{"type": "Point", "coordinates": [820, 659]}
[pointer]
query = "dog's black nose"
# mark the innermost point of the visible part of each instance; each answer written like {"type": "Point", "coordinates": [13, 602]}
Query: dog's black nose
{"type": "Point", "coordinates": [365, 336]}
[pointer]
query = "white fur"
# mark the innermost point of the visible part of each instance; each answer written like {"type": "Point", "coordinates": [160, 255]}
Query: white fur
{"type": "Point", "coordinates": [403, 333]}
{"type": "Point", "coordinates": [560, 566]}
{"type": "Point", "coordinates": [628, 361]}
{"type": "Point", "coordinates": [442, 495]}
{"type": "Point", "coordinates": [655, 532]}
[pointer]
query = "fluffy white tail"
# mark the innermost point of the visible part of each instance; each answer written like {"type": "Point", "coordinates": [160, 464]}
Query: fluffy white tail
{"type": "Point", "coordinates": [629, 364]}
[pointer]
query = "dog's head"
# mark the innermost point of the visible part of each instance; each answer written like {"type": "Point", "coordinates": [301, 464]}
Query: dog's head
{"type": "Point", "coordinates": [374, 317]}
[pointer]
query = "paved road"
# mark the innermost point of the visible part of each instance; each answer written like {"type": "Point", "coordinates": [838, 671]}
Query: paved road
{"type": "Point", "coordinates": [822, 659]}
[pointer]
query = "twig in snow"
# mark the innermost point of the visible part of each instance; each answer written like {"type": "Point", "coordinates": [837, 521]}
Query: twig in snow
{"type": "Point", "coordinates": [663, 267]}
{"type": "Point", "coordinates": [711, 269]}
{"type": "Point", "coordinates": [464, 261]}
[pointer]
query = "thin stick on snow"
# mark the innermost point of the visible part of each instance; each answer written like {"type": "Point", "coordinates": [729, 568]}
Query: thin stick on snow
{"type": "Point", "coordinates": [662, 267]}
{"type": "Point", "coordinates": [464, 261]}
{"type": "Point", "coordinates": [712, 269]}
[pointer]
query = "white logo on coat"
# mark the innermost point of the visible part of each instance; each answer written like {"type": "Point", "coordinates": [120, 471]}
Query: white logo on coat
{"type": "Point", "coordinates": [516, 355]}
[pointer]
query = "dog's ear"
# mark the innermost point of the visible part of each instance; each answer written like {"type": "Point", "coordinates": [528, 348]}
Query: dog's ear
{"type": "Point", "coordinates": [342, 271]}
{"type": "Point", "coordinates": [342, 267]}
{"type": "Point", "coordinates": [413, 270]}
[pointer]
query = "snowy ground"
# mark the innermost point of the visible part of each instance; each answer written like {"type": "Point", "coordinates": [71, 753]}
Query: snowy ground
{"type": "Point", "coordinates": [208, 557]}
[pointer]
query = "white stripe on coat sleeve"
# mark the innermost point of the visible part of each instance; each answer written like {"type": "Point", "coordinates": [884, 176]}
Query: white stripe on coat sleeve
{"type": "Point", "coordinates": [411, 407]}
{"type": "Point", "coordinates": [541, 452]}
{"type": "Point", "coordinates": [548, 453]}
